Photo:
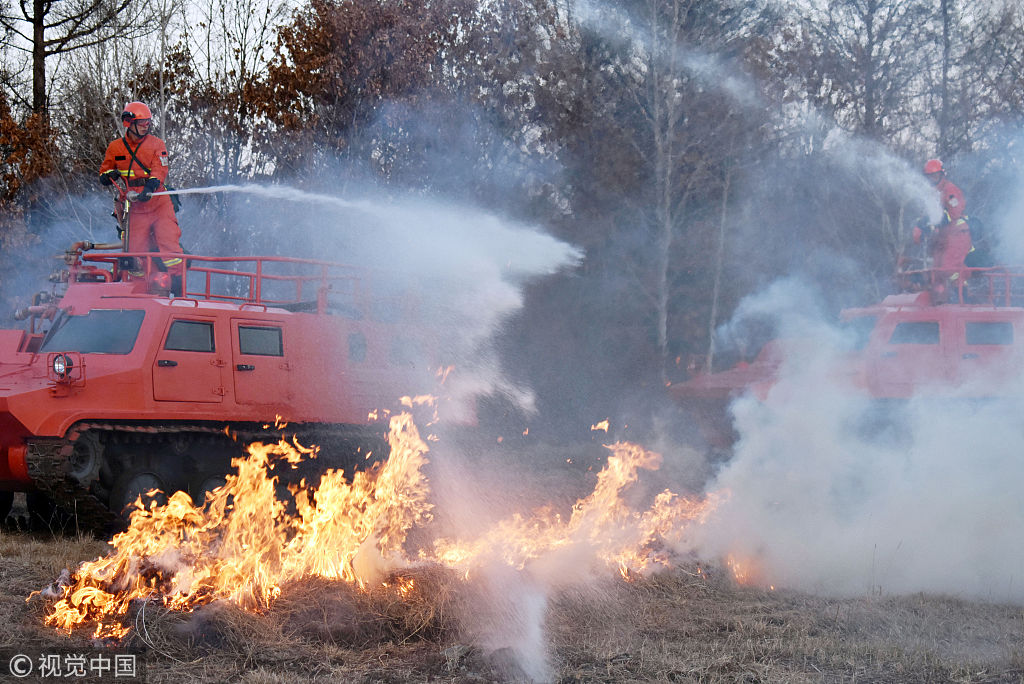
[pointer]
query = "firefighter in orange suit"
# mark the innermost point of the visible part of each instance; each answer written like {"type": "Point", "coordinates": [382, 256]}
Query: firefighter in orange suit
{"type": "Point", "coordinates": [953, 238]}
{"type": "Point", "coordinates": [141, 160]}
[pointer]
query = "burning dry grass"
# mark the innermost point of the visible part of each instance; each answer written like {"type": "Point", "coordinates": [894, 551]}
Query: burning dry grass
{"type": "Point", "coordinates": [245, 543]}
{"type": "Point", "coordinates": [25, 560]}
{"type": "Point", "coordinates": [679, 625]}
{"type": "Point", "coordinates": [674, 626]}
{"type": "Point", "coordinates": [241, 589]}
{"type": "Point", "coordinates": [312, 613]}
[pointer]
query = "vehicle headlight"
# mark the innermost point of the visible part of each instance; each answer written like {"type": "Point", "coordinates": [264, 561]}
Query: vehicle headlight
{"type": "Point", "coordinates": [62, 365]}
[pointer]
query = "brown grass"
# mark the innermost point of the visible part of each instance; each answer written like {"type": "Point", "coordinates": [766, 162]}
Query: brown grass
{"type": "Point", "coordinates": [675, 626]}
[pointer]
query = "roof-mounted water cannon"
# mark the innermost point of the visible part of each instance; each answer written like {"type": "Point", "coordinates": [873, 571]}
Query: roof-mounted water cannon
{"type": "Point", "coordinates": [27, 312]}
{"type": "Point", "coordinates": [43, 305]}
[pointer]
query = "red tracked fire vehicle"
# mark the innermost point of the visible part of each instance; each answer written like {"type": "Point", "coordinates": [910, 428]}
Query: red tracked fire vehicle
{"type": "Point", "coordinates": [116, 387]}
{"type": "Point", "coordinates": [920, 342]}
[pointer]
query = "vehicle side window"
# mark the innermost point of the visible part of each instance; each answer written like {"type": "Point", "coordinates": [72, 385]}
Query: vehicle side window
{"type": "Point", "coordinates": [194, 336]}
{"type": "Point", "coordinates": [989, 332]}
{"type": "Point", "coordinates": [260, 341]}
{"type": "Point", "coordinates": [916, 332]}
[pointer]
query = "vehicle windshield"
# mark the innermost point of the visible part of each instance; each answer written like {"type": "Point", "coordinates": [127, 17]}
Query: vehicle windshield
{"type": "Point", "coordinates": [100, 331]}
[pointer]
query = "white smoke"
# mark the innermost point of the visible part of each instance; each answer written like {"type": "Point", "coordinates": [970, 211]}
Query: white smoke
{"type": "Point", "coordinates": [468, 268]}
{"type": "Point", "coordinates": [1007, 225]}
{"type": "Point", "coordinates": [879, 167]}
{"type": "Point", "coordinates": [510, 615]}
{"type": "Point", "coordinates": [828, 497]}
{"type": "Point", "coordinates": [710, 70]}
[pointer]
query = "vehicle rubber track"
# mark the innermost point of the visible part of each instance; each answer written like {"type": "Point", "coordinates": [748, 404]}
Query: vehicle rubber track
{"type": "Point", "coordinates": [49, 463]}
{"type": "Point", "coordinates": [49, 460]}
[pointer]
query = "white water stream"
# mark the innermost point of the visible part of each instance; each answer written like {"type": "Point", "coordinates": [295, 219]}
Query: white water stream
{"type": "Point", "coordinates": [273, 192]}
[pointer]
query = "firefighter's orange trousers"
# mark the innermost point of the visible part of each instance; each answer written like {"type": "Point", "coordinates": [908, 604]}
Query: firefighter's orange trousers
{"type": "Point", "coordinates": [153, 227]}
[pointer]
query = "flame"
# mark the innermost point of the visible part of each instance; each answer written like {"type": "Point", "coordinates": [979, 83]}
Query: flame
{"type": "Point", "coordinates": [428, 400]}
{"type": "Point", "coordinates": [418, 400]}
{"type": "Point", "coordinates": [620, 537]}
{"type": "Point", "coordinates": [744, 571]}
{"type": "Point", "coordinates": [443, 372]}
{"type": "Point", "coordinates": [403, 585]}
{"type": "Point", "coordinates": [243, 542]}
{"type": "Point", "coordinates": [603, 425]}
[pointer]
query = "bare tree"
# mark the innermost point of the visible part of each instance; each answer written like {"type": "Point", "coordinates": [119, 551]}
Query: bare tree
{"type": "Point", "coordinates": [976, 84]}
{"type": "Point", "coordinates": [690, 99]}
{"type": "Point", "coordinates": [865, 66]}
{"type": "Point", "coordinates": [47, 28]}
{"type": "Point", "coordinates": [222, 57]}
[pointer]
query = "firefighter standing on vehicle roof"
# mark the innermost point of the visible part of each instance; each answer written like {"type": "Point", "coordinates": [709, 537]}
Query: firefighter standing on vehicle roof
{"type": "Point", "coordinates": [141, 160]}
{"type": "Point", "coordinates": [953, 235]}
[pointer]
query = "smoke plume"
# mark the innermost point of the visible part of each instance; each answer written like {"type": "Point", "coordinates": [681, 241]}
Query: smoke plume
{"type": "Point", "coordinates": [830, 493]}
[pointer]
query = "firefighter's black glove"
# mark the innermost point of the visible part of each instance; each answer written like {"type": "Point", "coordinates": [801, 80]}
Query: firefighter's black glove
{"type": "Point", "coordinates": [152, 185]}
{"type": "Point", "coordinates": [108, 177]}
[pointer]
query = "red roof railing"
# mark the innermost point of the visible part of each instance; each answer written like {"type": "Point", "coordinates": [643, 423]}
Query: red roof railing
{"type": "Point", "coordinates": [273, 281]}
{"type": "Point", "coordinates": [989, 286]}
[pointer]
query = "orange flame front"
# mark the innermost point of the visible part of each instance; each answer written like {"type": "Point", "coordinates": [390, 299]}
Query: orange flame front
{"type": "Point", "coordinates": [601, 522]}
{"type": "Point", "coordinates": [243, 543]}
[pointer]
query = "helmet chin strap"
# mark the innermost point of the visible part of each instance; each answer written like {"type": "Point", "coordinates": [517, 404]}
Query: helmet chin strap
{"type": "Point", "coordinates": [133, 128]}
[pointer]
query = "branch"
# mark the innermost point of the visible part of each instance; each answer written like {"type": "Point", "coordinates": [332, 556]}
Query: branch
{"type": "Point", "coordinates": [82, 27]}
{"type": "Point", "coordinates": [12, 29]}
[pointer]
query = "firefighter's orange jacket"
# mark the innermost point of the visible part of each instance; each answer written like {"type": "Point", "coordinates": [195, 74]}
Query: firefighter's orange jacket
{"type": "Point", "coordinates": [151, 153]}
{"type": "Point", "coordinates": [151, 224]}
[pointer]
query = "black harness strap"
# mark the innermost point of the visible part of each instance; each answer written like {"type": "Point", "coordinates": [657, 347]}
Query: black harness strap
{"type": "Point", "coordinates": [128, 147]}
{"type": "Point", "coordinates": [175, 202]}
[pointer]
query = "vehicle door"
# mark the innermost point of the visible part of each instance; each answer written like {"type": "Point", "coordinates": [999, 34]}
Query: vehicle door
{"type": "Point", "coordinates": [988, 355]}
{"type": "Point", "coordinates": [259, 362]}
{"type": "Point", "coordinates": [188, 366]}
{"type": "Point", "coordinates": [910, 351]}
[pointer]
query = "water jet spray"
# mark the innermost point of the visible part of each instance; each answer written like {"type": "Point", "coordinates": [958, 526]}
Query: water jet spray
{"type": "Point", "coordinates": [272, 192]}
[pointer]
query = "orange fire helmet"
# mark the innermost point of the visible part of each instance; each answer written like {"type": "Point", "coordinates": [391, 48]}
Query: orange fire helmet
{"type": "Point", "coordinates": [933, 166]}
{"type": "Point", "coordinates": [133, 111]}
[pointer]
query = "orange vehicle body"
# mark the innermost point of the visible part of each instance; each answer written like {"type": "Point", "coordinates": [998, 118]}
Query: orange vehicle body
{"type": "Point", "coordinates": [253, 341]}
{"type": "Point", "coordinates": [908, 345]}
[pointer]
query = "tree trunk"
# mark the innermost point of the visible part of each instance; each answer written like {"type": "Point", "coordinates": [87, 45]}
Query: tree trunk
{"type": "Point", "coordinates": [162, 101]}
{"type": "Point", "coordinates": [38, 57]}
{"type": "Point", "coordinates": [944, 106]}
{"type": "Point", "coordinates": [719, 261]}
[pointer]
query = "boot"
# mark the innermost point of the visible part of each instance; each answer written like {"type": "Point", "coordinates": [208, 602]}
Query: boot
{"type": "Point", "coordinates": [176, 286]}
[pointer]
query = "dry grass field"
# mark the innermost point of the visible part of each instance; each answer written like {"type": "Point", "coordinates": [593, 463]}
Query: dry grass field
{"type": "Point", "coordinates": [675, 626]}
